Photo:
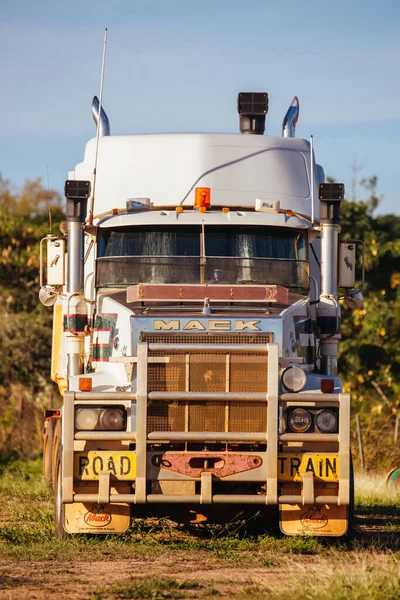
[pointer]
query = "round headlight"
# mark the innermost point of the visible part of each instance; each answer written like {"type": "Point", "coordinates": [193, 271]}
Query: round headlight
{"type": "Point", "coordinates": [299, 420]}
{"type": "Point", "coordinates": [86, 419]}
{"type": "Point", "coordinates": [294, 378]}
{"type": "Point", "coordinates": [112, 419]}
{"type": "Point", "coordinates": [326, 421]}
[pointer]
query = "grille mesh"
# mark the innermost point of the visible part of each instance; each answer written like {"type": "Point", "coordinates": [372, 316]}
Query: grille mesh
{"type": "Point", "coordinates": [208, 372]}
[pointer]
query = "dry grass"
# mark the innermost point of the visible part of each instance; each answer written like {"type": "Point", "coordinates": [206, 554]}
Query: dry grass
{"type": "Point", "coordinates": [373, 496]}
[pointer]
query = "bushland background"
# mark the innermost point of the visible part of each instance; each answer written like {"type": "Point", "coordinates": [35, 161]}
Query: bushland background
{"type": "Point", "coordinates": [369, 360]}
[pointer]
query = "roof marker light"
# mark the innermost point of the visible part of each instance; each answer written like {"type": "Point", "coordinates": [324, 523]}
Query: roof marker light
{"type": "Point", "coordinates": [179, 209]}
{"type": "Point", "coordinates": [202, 197]}
{"type": "Point", "coordinates": [225, 210]}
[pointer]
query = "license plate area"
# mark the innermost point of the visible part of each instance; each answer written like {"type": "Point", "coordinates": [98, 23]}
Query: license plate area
{"type": "Point", "coordinates": [121, 464]}
{"type": "Point", "coordinates": [324, 467]}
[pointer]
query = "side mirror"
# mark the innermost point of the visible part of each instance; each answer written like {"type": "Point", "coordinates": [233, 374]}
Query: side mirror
{"type": "Point", "coordinates": [55, 250]}
{"type": "Point", "coordinates": [55, 261]}
{"type": "Point", "coordinates": [347, 263]}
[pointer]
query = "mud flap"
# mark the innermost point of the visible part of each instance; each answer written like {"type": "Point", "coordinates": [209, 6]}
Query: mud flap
{"type": "Point", "coordinates": [312, 519]}
{"type": "Point", "coordinates": [98, 518]}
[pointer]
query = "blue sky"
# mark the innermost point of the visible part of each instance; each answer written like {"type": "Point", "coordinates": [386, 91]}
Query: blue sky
{"type": "Point", "coordinates": [177, 65]}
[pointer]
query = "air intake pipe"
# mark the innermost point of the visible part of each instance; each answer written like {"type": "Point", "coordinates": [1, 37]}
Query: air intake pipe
{"type": "Point", "coordinates": [75, 307]}
{"type": "Point", "coordinates": [252, 109]}
{"type": "Point", "coordinates": [104, 124]}
{"type": "Point", "coordinates": [328, 311]}
{"type": "Point", "coordinates": [290, 120]}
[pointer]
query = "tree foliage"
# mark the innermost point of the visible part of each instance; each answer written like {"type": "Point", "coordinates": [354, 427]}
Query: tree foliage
{"type": "Point", "coordinates": [369, 353]}
{"type": "Point", "coordinates": [25, 328]}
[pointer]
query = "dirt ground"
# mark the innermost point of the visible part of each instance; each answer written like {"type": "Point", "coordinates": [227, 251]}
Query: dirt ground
{"type": "Point", "coordinates": [201, 574]}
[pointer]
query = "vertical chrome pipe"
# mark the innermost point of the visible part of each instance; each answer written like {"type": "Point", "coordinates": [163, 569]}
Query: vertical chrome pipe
{"type": "Point", "coordinates": [75, 357]}
{"type": "Point", "coordinates": [328, 312]}
{"type": "Point", "coordinates": [75, 257]}
{"type": "Point", "coordinates": [75, 307]}
{"type": "Point", "coordinates": [329, 259]}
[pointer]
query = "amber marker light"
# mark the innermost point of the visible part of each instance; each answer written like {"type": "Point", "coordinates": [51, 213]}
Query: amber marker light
{"type": "Point", "coordinates": [115, 211]}
{"type": "Point", "coordinates": [179, 209]}
{"type": "Point", "coordinates": [327, 386]}
{"type": "Point", "coordinates": [202, 198]}
{"type": "Point", "coordinates": [225, 210]}
{"type": "Point", "coordinates": [289, 213]}
{"type": "Point", "coordinates": [85, 384]}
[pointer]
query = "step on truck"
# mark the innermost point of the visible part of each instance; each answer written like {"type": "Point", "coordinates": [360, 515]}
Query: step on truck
{"type": "Point", "coordinates": [195, 332]}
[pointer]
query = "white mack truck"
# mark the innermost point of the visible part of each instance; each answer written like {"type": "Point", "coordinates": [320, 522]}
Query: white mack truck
{"type": "Point", "coordinates": [195, 332]}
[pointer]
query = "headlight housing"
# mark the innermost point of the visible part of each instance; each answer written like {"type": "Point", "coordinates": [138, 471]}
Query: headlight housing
{"type": "Point", "coordinates": [326, 421]}
{"type": "Point", "coordinates": [294, 378]}
{"type": "Point", "coordinates": [299, 420]}
{"type": "Point", "coordinates": [321, 420]}
{"type": "Point", "coordinates": [100, 418]}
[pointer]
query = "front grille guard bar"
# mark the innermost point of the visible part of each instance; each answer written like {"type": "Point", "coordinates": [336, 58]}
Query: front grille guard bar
{"type": "Point", "coordinates": [142, 437]}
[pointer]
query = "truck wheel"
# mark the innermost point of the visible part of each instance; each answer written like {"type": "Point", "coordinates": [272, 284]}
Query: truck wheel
{"type": "Point", "coordinates": [55, 450]}
{"type": "Point", "coordinates": [351, 530]}
{"type": "Point", "coordinates": [59, 510]}
{"type": "Point", "coordinates": [48, 438]}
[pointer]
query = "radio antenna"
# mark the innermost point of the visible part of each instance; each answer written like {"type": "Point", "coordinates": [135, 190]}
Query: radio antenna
{"type": "Point", "coordinates": [91, 205]}
{"type": "Point", "coordinates": [49, 204]}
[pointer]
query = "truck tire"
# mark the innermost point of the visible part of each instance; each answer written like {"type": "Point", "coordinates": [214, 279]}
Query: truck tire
{"type": "Point", "coordinates": [48, 439]}
{"type": "Point", "coordinates": [59, 510]}
{"type": "Point", "coordinates": [351, 530]}
{"type": "Point", "coordinates": [55, 450]}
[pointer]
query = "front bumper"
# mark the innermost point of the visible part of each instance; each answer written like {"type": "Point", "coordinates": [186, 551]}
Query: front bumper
{"type": "Point", "coordinates": [310, 489]}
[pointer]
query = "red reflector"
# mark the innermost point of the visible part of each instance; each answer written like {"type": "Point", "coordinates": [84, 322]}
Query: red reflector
{"type": "Point", "coordinates": [327, 386]}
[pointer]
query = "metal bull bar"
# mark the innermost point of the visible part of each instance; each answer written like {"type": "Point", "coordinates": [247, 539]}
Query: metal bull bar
{"type": "Point", "coordinates": [141, 437]}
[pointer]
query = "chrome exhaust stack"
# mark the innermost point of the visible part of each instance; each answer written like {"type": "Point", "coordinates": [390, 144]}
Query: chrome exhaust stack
{"type": "Point", "coordinates": [104, 124]}
{"type": "Point", "coordinates": [290, 120]}
{"type": "Point", "coordinates": [328, 312]}
{"type": "Point", "coordinates": [75, 307]}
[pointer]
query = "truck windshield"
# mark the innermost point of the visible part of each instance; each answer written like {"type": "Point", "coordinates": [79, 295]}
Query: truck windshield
{"type": "Point", "coordinates": [182, 254]}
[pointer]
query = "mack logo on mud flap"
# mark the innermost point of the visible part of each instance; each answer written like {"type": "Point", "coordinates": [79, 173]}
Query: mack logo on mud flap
{"type": "Point", "coordinates": [314, 518]}
{"type": "Point", "coordinates": [97, 519]}
{"type": "Point", "coordinates": [209, 325]}
{"type": "Point", "coordinates": [88, 465]}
